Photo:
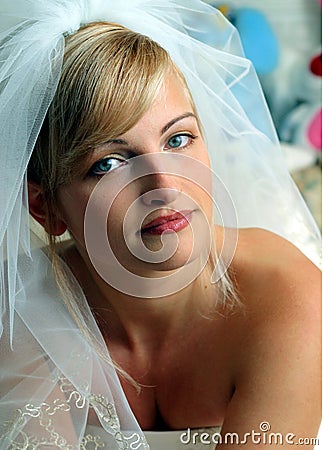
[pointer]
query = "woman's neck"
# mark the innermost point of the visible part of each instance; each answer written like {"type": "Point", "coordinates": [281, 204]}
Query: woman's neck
{"type": "Point", "coordinates": [127, 319]}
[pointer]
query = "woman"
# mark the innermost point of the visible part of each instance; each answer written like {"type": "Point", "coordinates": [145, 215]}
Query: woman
{"type": "Point", "coordinates": [122, 161]}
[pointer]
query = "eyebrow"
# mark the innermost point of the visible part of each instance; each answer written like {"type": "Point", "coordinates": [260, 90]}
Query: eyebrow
{"type": "Point", "coordinates": [177, 119]}
{"type": "Point", "coordinates": [163, 130]}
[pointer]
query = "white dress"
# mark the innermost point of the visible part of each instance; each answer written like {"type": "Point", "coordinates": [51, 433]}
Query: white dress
{"type": "Point", "coordinates": [191, 439]}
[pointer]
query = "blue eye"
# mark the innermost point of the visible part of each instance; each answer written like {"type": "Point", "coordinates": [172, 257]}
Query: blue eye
{"type": "Point", "coordinates": [180, 141]}
{"type": "Point", "coordinates": [105, 165]}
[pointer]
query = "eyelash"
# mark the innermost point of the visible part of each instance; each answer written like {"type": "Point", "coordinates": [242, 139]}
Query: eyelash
{"type": "Point", "coordinates": [114, 156]}
{"type": "Point", "coordinates": [191, 137]}
{"type": "Point", "coordinates": [123, 160]}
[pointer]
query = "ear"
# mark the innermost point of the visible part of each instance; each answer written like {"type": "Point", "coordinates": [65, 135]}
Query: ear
{"type": "Point", "coordinates": [38, 210]}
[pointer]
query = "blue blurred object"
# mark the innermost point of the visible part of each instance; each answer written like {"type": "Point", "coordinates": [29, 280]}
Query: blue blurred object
{"type": "Point", "coordinates": [257, 37]}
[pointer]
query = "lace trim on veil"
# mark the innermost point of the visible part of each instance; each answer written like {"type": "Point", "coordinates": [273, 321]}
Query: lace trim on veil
{"type": "Point", "coordinates": [44, 414]}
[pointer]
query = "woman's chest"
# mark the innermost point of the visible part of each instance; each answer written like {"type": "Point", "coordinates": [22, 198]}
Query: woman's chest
{"type": "Point", "coordinates": [183, 391]}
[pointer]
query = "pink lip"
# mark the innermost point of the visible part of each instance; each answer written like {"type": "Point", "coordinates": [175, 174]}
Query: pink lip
{"type": "Point", "coordinates": [173, 222]}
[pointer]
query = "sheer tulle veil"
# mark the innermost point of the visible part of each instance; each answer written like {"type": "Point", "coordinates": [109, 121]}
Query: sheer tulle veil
{"type": "Point", "coordinates": [51, 377]}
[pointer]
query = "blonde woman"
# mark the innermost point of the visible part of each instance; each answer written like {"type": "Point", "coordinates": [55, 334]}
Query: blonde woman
{"type": "Point", "coordinates": [158, 313]}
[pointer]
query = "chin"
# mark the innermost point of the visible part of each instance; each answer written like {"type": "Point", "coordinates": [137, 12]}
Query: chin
{"type": "Point", "coordinates": [183, 257]}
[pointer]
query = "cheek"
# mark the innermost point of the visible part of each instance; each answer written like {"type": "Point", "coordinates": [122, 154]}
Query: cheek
{"type": "Point", "coordinates": [118, 210]}
{"type": "Point", "coordinates": [72, 206]}
{"type": "Point", "coordinates": [199, 182]}
{"type": "Point", "coordinates": [203, 155]}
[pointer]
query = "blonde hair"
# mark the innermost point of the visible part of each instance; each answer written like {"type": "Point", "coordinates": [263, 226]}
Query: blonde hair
{"type": "Point", "coordinates": [110, 77]}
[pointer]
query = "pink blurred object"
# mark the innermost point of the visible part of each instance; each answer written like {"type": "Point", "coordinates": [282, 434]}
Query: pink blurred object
{"type": "Point", "coordinates": [314, 131]}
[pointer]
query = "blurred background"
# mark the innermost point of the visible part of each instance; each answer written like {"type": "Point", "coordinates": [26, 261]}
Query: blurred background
{"type": "Point", "coordinates": [283, 39]}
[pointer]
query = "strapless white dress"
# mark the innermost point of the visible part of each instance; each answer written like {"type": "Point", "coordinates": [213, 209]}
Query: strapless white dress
{"type": "Point", "coordinates": [193, 439]}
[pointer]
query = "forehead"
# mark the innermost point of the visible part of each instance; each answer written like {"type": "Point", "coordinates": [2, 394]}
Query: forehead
{"type": "Point", "coordinates": [171, 101]}
{"type": "Point", "coordinates": [172, 93]}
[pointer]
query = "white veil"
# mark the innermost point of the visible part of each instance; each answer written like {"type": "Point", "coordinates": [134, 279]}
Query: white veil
{"type": "Point", "coordinates": [50, 375]}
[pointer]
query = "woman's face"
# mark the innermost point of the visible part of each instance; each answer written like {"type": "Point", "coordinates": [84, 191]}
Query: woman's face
{"type": "Point", "coordinates": [145, 187]}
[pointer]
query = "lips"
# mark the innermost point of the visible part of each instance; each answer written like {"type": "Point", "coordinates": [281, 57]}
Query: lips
{"type": "Point", "coordinates": [172, 222]}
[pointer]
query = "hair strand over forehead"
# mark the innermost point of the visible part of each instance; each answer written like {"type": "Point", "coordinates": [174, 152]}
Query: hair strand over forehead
{"type": "Point", "coordinates": [110, 77]}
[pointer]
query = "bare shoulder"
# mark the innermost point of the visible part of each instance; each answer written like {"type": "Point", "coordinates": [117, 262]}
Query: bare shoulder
{"type": "Point", "coordinates": [277, 336]}
{"type": "Point", "coordinates": [266, 264]}
{"type": "Point", "coordinates": [280, 289]}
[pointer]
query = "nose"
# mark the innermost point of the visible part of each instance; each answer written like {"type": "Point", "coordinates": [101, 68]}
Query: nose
{"type": "Point", "coordinates": [159, 183]}
{"type": "Point", "coordinates": [160, 196]}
